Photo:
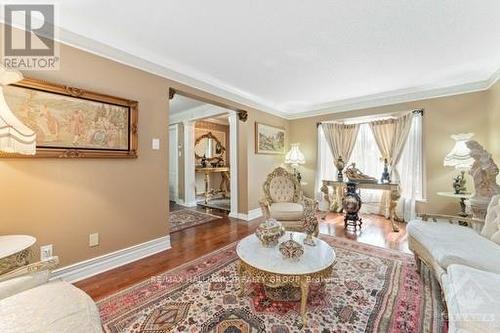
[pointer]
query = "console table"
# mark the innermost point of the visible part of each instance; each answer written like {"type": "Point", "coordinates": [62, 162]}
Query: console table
{"type": "Point", "coordinates": [224, 171]}
{"type": "Point", "coordinates": [339, 189]}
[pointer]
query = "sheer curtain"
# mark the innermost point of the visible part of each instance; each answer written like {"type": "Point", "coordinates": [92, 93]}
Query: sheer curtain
{"type": "Point", "coordinates": [325, 167]}
{"type": "Point", "coordinates": [411, 170]}
{"type": "Point", "coordinates": [366, 155]}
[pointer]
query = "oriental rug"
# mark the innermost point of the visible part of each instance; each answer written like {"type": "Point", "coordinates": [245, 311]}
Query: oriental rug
{"type": "Point", "coordinates": [371, 290]}
{"type": "Point", "coordinates": [187, 218]}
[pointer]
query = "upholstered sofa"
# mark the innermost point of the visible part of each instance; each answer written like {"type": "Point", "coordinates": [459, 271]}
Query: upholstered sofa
{"type": "Point", "coordinates": [464, 255]}
{"type": "Point", "coordinates": [283, 200]}
{"type": "Point", "coordinates": [30, 303]}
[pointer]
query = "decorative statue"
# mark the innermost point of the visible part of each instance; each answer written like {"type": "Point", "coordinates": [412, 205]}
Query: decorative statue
{"type": "Point", "coordinates": [204, 161]}
{"type": "Point", "coordinates": [214, 162]}
{"type": "Point", "coordinates": [459, 184]}
{"type": "Point", "coordinates": [386, 176]}
{"type": "Point", "coordinates": [340, 164]}
{"type": "Point", "coordinates": [484, 172]}
{"type": "Point", "coordinates": [310, 221]}
{"type": "Point", "coordinates": [355, 175]}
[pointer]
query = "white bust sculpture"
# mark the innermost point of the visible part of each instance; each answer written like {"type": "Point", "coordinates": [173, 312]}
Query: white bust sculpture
{"type": "Point", "coordinates": [484, 172]}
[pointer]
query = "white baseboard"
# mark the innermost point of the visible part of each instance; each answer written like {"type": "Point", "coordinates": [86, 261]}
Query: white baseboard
{"type": "Point", "coordinates": [252, 215]}
{"type": "Point", "coordinates": [186, 204]}
{"type": "Point", "coordinates": [234, 215]}
{"type": "Point", "coordinates": [84, 269]}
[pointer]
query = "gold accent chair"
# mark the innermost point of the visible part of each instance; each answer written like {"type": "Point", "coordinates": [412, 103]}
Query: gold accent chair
{"type": "Point", "coordinates": [284, 201]}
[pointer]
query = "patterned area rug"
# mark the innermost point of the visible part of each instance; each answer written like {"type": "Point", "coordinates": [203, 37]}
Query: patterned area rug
{"type": "Point", "coordinates": [371, 290]}
{"type": "Point", "coordinates": [187, 218]}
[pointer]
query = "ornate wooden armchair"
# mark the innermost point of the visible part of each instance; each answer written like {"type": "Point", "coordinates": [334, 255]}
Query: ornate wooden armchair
{"type": "Point", "coordinates": [284, 201]}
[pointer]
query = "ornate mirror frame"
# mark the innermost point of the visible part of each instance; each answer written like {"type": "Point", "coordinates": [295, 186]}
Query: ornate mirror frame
{"type": "Point", "coordinates": [209, 135]}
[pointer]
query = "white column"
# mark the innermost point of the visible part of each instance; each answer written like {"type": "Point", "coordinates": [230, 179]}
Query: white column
{"type": "Point", "coordinates": [189, 177]}
{"type": "Point", "coordinates": [233, 157]}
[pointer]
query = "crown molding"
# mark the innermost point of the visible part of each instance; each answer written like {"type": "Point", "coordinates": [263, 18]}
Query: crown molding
{"type": "Point", "coordinates": [494, 79]}
{"type": "Point", "coordinates": [199, 112]}
{"type": "Point", "coordinates": [396, 97]}
{"type": "Point", "coordinates": [159, 66]}
{"type": "Point", "coordinates": [153, 64]}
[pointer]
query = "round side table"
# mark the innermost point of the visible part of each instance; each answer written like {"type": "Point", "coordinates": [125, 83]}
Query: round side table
{"type": "Point", "coordinates": [15, 251]}
{"type": "Point", "coordinates": [462, 197]}
{"type": "Point", "coordinates": [266, 265]}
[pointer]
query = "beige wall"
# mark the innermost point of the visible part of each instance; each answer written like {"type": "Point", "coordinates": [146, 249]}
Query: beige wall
{"type": "Point", "coordinates": [61, 202]}
{"type": "Point", "coordinates": [260, 165]}
{"type": "Point", "coordinates": [443, 117]}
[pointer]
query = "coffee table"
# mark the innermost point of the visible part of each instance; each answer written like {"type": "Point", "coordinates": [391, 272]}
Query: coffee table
{"type": "Point", "coordinates": [267, 265]}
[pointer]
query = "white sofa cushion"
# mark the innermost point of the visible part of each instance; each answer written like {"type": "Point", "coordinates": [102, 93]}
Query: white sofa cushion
{"type": "Point", "coordinates": [286, 211]}
{"type": "Point", "coordinates": [491, 227]}
{"type": "Point", "coordinates": [21, 283]}
{"type": "Point", "coordinates": [55, 307]}
{"type": "Point", "coordinates": [452, 244]}
{"type": "Point", "coordinates": [473, 299]}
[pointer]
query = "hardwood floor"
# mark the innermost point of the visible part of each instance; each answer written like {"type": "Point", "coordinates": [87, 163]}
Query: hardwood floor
{"type": "Point", "coordinates": [194, 242]}
{"type": "Point", "coordinates": [376, 230]}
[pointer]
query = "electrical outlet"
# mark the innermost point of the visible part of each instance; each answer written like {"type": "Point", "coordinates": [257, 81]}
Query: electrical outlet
{"type": "Point", "coordinates": [94, 239]}
{"type": "Point", "coordinates": [45, 252]}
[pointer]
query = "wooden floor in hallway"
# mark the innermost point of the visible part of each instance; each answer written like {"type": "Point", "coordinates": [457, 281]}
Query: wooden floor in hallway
{"type": "Point", "coordinates": [197, 241]}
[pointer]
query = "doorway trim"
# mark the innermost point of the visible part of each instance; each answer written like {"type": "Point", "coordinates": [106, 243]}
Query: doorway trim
{"type": "Point", "coordinates": [234, 114]}
{"type": "Point", "coordinates": [175, 145]}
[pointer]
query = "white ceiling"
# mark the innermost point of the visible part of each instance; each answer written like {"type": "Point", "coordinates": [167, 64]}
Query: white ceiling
{"type": "Point", "coordinates": [180, 103]}
{"type": "Point", "coordinates": [296, 57]}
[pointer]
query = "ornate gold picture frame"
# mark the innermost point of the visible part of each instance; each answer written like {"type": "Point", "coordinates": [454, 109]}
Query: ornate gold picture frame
{"type": "Point", "coordinates": [75, 123]}
{"type": "Point", "coordinates": [269, 139]}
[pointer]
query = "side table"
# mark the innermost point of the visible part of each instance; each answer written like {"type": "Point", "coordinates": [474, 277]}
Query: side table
{"type": "Point", "coordinates": [462, 197]}
{"type": "Point", "coordinates": [15, 251]}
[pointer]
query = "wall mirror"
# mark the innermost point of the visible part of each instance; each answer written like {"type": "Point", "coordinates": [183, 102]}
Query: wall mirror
{"type": "Point", "coordinates": [208, 145]}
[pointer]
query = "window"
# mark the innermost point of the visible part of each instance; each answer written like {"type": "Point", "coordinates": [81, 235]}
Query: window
{"type": "Point", "coordinates": [366, 155]}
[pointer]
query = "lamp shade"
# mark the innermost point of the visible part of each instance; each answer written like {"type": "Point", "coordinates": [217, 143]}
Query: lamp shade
{"type": "Point", "coordinates": [15, 137]}
{"type": "Point", "coordinates": [459, 156]}
{"type": "Point", "coordinates": [295, 156]}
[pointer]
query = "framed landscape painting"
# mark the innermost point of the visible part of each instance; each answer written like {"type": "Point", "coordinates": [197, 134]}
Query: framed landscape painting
{"type": "Point", "coordinates": [269, 139]}
{"type": "Point", "coordinates": [71, 122]}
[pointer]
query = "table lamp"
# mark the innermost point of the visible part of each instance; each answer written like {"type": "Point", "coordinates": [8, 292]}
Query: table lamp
{"type": "Point", "coordinates": [459, 157]}
{"type": "Point", "coordinates": [295, 157]}
{"type": "Point", "coordinates": [15, 137]}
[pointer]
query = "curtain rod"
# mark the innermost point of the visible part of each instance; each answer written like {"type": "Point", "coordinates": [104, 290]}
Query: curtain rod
{"type": "Point", "coordinates": [414, 111]}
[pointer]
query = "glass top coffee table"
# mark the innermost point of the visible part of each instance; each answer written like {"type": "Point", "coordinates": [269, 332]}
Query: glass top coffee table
{"type": "Point", "coordinates": [266, 265]}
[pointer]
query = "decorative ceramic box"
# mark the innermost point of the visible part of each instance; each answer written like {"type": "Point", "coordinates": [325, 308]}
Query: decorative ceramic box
{"type": "Point", "coordinates": [269, 232]}
{"type": "Point", "coordinates": [291, 250]}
